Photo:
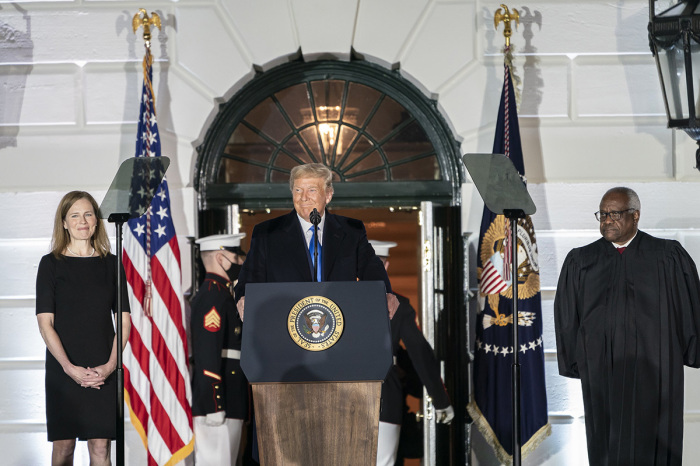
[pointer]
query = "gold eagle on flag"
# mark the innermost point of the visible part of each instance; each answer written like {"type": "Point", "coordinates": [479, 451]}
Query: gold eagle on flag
{"type": "Point", "coordinates": [492, 285]}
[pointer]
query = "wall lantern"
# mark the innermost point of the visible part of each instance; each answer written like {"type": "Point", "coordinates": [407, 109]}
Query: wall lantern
{"type": "Point", "coordinates": [674, 38]}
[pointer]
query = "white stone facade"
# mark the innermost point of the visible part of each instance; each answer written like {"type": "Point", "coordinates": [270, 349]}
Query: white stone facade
{"type": "Point", "coordinates": [591, 117]}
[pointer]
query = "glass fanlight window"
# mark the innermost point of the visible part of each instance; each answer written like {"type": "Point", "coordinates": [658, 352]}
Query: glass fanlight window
{"type": "Point", "coordinates": [361, 133]}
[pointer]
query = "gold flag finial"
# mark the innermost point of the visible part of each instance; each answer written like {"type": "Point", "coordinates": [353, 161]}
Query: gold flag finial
{"type": "Point", "coordinates": [506, 17]}
{"type": "Point", "coordinates": [142, 19]}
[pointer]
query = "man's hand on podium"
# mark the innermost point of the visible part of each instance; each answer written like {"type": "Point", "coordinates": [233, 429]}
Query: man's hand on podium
{"type": "Point", "coordinates": [444, 416]}
{"type": "Point", "coordinates": [215, 419]}
{"type": "Point", "coordinates": [392, 303]}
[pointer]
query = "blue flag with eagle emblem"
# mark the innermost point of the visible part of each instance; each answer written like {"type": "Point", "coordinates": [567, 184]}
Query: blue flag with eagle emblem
{"type": "Point", "coordinates": [491, 405]}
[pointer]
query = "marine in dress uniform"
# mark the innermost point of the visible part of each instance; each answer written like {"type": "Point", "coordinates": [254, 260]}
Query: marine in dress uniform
{"type": "Point", "coordinates": [219, 388]}
{"type": "Point", "coordinates": [404, 328]}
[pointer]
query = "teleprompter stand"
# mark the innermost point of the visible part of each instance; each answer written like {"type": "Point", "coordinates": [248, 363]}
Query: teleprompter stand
{"type": "Point", "coordinates": [505, 193]}
{"type": "Point", "coordinates": [316, 404]}
{"type": "Point", "coordinates": [129, 196]}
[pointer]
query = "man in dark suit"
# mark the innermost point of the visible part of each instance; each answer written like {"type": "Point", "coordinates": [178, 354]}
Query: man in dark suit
{"type": "Point", "coordinates": [279, 248]}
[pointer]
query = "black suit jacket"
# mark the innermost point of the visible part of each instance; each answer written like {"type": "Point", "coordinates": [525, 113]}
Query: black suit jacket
{"type": "Point", "coordinates": [278, 253]}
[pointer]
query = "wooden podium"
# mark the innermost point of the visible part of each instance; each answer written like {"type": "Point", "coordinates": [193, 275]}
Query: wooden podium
{"type": "Point", "coordinates": [316, 355]}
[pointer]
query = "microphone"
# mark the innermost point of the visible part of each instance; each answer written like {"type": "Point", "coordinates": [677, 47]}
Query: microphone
{"type": "Point", "coordinates": [315, 217]}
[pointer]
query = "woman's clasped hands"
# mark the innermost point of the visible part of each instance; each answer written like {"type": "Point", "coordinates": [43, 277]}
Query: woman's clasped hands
{"type": "Point", "coordinates": [89, 377]}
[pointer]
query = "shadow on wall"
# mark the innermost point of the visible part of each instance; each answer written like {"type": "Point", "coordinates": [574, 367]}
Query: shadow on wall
{"type": "Point", "coordinates": [530, 89]}
{"type": "Point", "coordinates": [529, 111]}
{"type": "Point", "coordinates": [531, 99]}
{"type": "Point", "coordinates": [640, 78]}
{"type": "Point", "coordinates": [494, 78]}
{"type": "Point", "coordinates": [164, 99]}
{"type": "Point", "coordinates": [132, 67]}
{"type": "Point", "coordinates": [17, 51]}
{"type": "Point", "coordinates": [133, 71]}
{"type": "Point", "coordinates": [531, 93]}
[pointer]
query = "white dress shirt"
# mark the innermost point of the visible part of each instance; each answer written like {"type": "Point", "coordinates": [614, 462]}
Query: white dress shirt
{"type": "Point", "coordinates": [308, 232]}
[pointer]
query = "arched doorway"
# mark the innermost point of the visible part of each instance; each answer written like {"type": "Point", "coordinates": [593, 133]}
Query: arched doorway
{"type": "Point", "coordinates": [396, 166]}
{"type": "Point", "coordinates": [377, 132]}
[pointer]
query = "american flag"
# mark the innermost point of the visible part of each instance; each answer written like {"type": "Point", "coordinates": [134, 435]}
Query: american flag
{"type": "Point", "coordinates": [492, 278]}
{"type": "Point", "coordinates": [491, 406]}
{"type": "Point", "coordinates": [156, 377]}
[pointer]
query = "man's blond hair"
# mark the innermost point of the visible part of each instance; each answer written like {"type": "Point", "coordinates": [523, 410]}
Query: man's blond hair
{"type": "Point", "coordinates": [312, 170]}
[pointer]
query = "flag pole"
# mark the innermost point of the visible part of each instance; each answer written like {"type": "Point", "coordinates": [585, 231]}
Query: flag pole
{"type": "Point", "coordinates": [140, 19]}
{"type": "Point", "coordinates": [118, 220]}
{"type": "Point", "coordinates": [513, 215]}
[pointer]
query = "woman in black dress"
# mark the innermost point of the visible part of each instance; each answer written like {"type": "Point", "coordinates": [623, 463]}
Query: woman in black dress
{"type": "Point", "coordinates": [75, 298]}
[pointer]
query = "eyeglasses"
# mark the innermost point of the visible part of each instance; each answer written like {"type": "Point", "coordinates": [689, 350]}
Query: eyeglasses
{"type": "Point", "coordinates": [613, 214]}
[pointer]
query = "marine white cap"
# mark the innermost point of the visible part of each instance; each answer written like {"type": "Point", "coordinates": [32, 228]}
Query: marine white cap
{"type": "Point", "coordinates": [221, 242]}
{"type": "Point", "coordinates": [381, 248]}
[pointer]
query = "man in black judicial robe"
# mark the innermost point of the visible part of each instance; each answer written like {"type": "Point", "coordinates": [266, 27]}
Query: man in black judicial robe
{"type": "Point", "coordinates": [627, 318]}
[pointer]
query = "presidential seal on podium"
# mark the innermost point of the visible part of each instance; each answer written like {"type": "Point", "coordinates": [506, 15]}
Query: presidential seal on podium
{"type": "Point", "coordinates": [315, 323]}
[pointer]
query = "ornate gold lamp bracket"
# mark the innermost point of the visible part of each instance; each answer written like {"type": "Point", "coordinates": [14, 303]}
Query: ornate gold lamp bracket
{"type": "Point", "coordinates": [142, 19]}
{"type": "Point", "coordinates": [506, 17]}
